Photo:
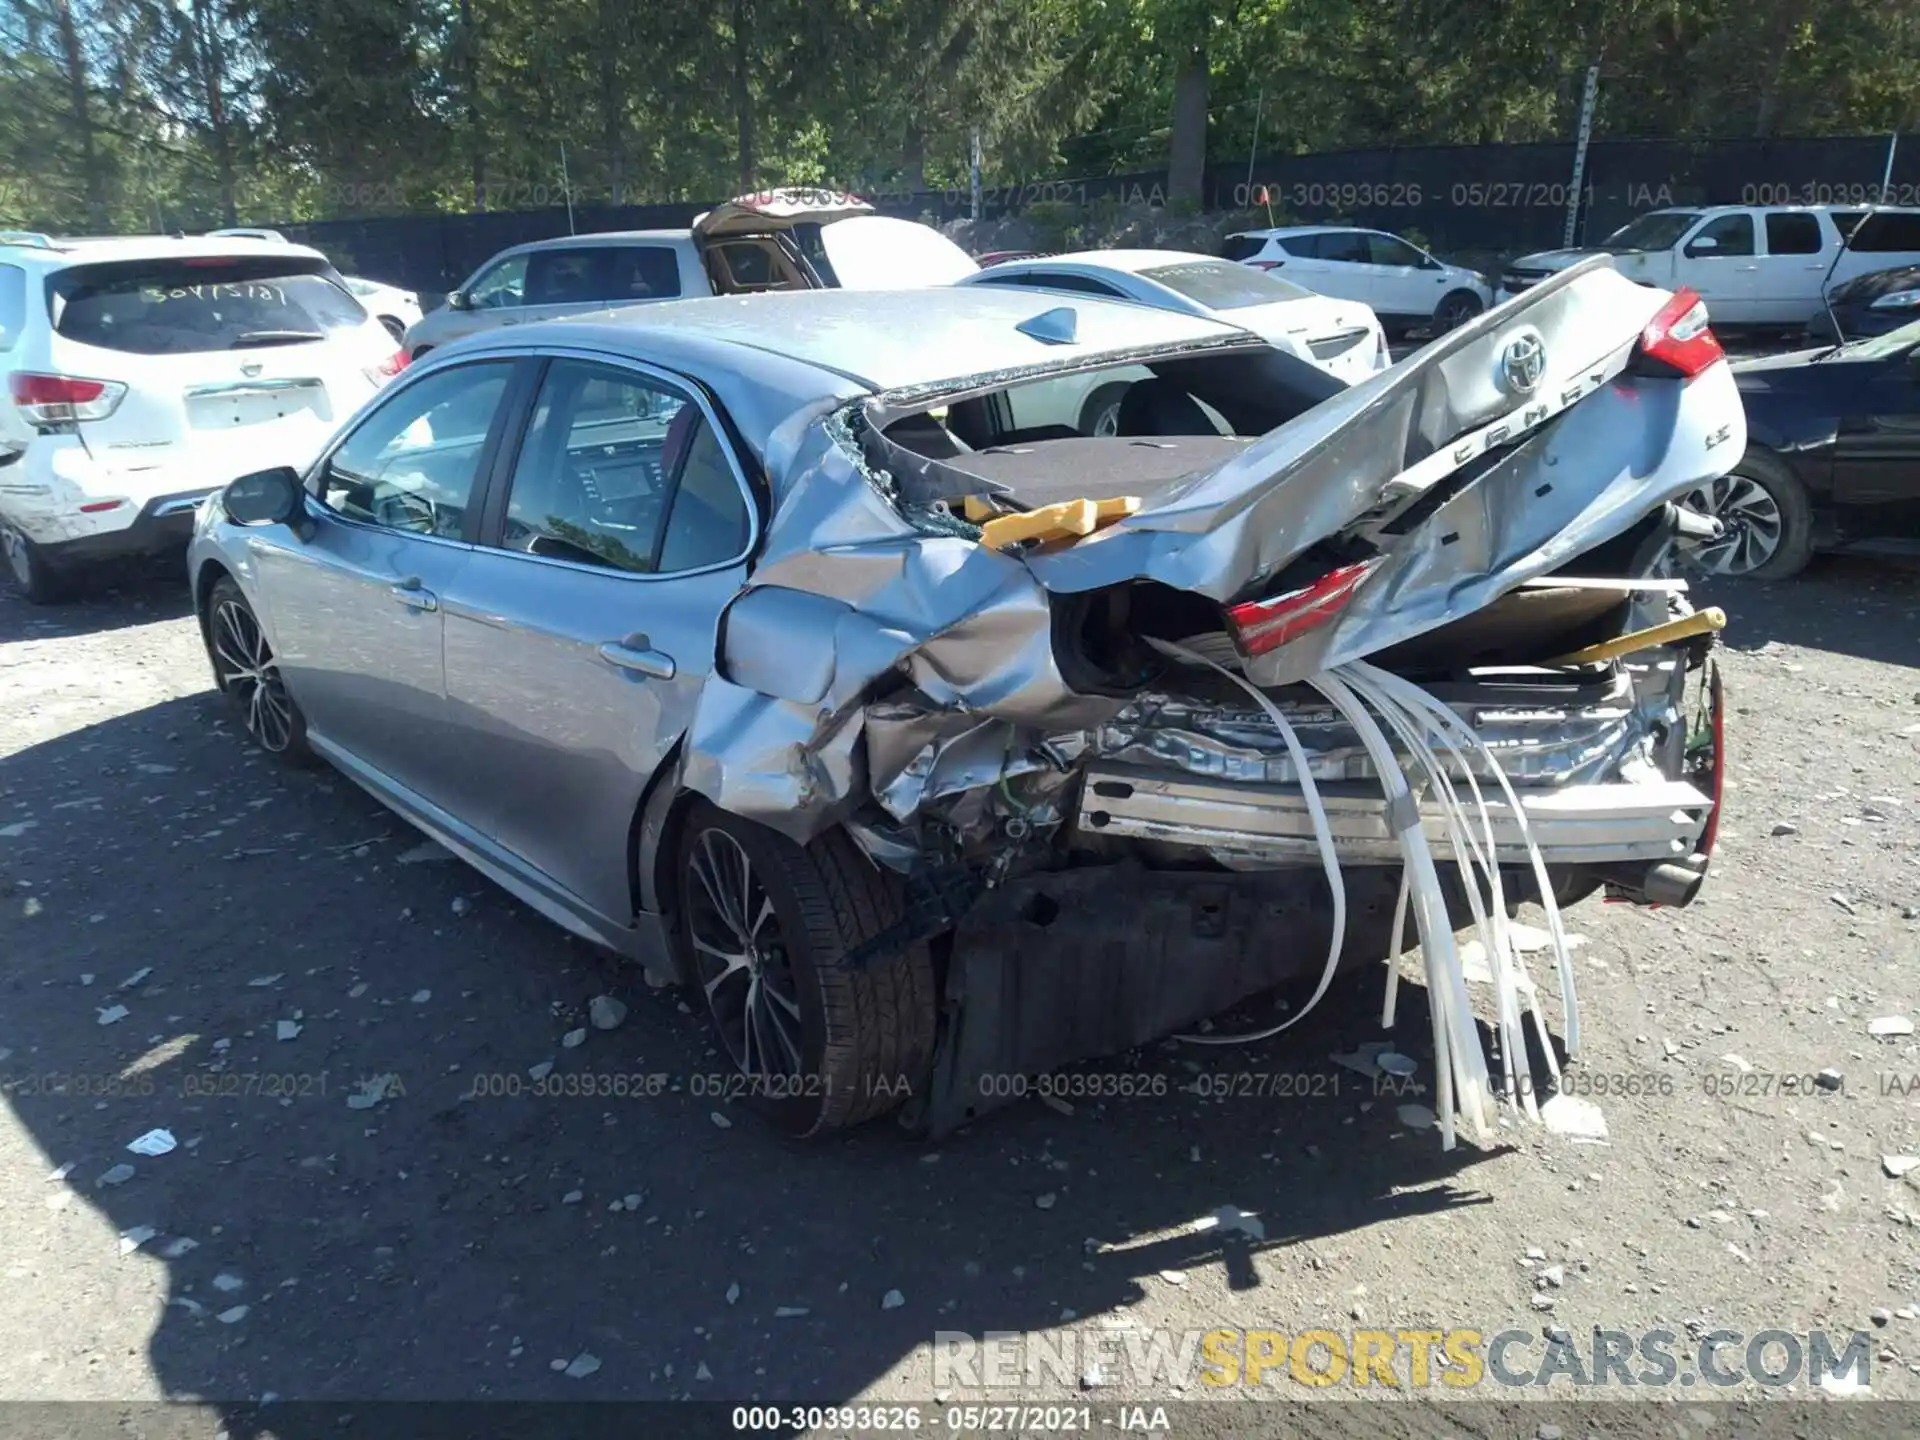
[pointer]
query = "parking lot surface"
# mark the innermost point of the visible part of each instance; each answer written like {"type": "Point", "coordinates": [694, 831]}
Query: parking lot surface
{"type": "Point", "coordinates": [335, 1024]}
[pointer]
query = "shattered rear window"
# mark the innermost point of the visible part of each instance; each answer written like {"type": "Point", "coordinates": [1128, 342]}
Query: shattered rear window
{"type": "Point", "coordinates": [1223, 285]}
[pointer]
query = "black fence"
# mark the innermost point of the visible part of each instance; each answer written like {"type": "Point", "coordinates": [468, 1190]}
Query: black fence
{"type": "Point", "coordinates": [1486, 200]}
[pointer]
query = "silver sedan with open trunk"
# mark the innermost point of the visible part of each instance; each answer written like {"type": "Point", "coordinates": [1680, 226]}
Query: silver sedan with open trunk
{"type": "Point", "coordinates": [755, 639]}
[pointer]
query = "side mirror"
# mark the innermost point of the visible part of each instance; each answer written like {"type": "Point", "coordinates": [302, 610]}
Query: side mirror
{"type": "Point", "coordinates": [266, 497]}
{"type": "Point", "coordinates": [459, 300]}
{"type": "Point", "coordinates": [1705, 245]}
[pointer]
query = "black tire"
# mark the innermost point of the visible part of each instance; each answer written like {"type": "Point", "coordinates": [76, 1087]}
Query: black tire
{"type": "Point", "coordinates": [394, 328]}
{"type": "Point", "coordinates": [1731, 498]}
{"type": "Point", "coordinates": [33, 574]}
{"type": "Point", "coordinates": [244, 671]}
{"type": "Point", "coordinates": [1456, 307]}
{"type": "Point", "coordinates": [1103, 406]}
{"type": "Point", "coordinates": [863, 1036]}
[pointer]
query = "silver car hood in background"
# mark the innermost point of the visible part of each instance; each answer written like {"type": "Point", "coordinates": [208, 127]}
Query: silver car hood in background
{"type": "Point", "coordinates": [856, 587]}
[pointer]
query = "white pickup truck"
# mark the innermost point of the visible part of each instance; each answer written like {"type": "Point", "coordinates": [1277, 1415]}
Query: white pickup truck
{"type": "Point", "coordinates": [1752, 264]}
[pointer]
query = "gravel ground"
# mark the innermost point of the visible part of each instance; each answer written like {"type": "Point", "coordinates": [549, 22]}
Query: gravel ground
{"type": "Point", "coordinates": [197, 940]}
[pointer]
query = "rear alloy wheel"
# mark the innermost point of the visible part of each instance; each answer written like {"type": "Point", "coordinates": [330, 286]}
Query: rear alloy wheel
{"type": "Point", "coordinates": [1455, 309]}
{"type": "Point", "coordinates": [764, 929]}
{"type": "Point", "coordinates": [1769, 522]}
{"type": "Point", "coordinates": [1100, 416]}
{"type": "Point", "coordinates": [27, 563]}
{"type": "Point", "coordinates": [245, 671]}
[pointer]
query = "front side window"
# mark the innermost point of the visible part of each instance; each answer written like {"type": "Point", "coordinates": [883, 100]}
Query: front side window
{"type": "Point", "coordinates": [192, 305]}
{"type": "Point", "coordinates": [622, 471]}
{"type": "Point", "coordinates": [1733, 232]}
{"type": "Point", "coordinates": [1241, 247]}
{"type": "Point", "coordinates": [414, 462]}
{"type": "Point", "coordinates": [502, 286]}
{"type": "Point", "coordinates": [1657, 231]}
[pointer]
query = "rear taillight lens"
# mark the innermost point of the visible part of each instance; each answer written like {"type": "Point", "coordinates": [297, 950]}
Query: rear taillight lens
{"type": "Point", "coordinates": [62, 399]}
{"type": "Point", "coordinates": [390, 367]}
{"type": "Point", "coordinates": [1678, 337]}
{"type": "Point", "coordinates": [1263, 625]}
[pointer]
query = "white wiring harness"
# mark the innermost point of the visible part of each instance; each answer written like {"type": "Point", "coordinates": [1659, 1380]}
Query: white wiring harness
{"type": "Point", "coordinates": [1362, 692]}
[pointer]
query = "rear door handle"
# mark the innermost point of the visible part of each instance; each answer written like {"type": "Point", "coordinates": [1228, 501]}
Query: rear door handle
{"type": "Point", "coordinates": [633, 654]}
{"type": "Point", "coordinates": [414, 596]}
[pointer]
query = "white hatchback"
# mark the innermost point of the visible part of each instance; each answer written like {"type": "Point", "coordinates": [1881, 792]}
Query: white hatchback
{"type": "Point", "coordinates": [145, 373]}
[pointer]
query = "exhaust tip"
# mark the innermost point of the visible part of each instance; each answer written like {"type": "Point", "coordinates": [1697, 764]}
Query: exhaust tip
{"type": "Point", "coordinates": [1667, 882]}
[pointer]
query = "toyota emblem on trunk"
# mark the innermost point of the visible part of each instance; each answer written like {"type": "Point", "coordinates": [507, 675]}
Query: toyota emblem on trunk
{"type": "Point", "coordinates": [1523, 363]}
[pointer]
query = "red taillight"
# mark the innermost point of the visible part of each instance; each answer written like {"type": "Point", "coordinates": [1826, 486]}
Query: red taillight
{"type": "Point", "coordinates": [1678, 336]}
{"type": "Point", "coordinates": [396, 362]}
{"type": "Point", "coordinates": [100, 507]}
{"type": "Point", "coordinates": [53, 389]}
{"type": "Point", "coordinates": [1263, 625]}
{"type": "Point", "coordinates": [62, 399]}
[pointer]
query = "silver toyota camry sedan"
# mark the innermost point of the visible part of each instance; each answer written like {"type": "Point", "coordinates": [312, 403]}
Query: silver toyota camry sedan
{"type": "Point", "coordinates": [802, 648]}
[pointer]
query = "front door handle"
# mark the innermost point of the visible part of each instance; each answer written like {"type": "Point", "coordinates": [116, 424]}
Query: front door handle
{"type": "Point", "coordinates": [410, 593]}
{"type": "Point", "coordinates": [635, 655]}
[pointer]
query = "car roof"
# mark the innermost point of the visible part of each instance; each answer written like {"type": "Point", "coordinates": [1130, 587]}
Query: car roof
{"type": "Point", "coordinates": [879, 339]}
{"type": "Point", "coordinates": [58, 253]}
{"type": "Point", "coordinates": [598, 238]}
{"type": "Point", "coordinates": [1282, 232]}
{"type": "Point", "coordinates": [1130, 262]}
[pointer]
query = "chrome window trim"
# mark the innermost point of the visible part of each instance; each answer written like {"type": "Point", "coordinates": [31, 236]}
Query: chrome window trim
{"type": "Point", "coordinates": [680, 384]}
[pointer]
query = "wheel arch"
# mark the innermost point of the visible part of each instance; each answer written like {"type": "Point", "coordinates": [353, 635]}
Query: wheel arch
{"type": "Point", "coordinates": [655, 833]}
{"type": "Point", "coordinates": [210, 573]}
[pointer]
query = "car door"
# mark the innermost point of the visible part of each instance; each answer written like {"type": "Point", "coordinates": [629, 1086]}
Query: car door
{"type": "Point", "coordinates": [580, 633]}
{"type": "Point", "coordinates": [1336, 263]}
{"type": "Point", "coordinates": [1409, 286]}
{"type": "Point", "coordinates": [354, 607]}
{"type": "Point", "coordinates": [1796, 255]}
{"type": "Point", "coordinates": [1876, 470]}
{"type": "Point", "coordinates": [1720, 261]}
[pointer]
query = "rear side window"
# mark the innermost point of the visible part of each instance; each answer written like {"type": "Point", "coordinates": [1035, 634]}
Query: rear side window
{"type": "Point", "coordinates": [13, 305]}
{"type": "Point", "coordinates": [621, 472]}
{"type": "Point", "coordinates": [193, 306]}
{"type": "Point", "coordinates": [601, 275]}
{"type": "Point", "coordinates": [642, 272]}
{"type": "Point", "coordinates": [1241, 247]}
{"type": "Point", "coordinates": [562, 277]}
{"type": "Point", "coordinates": [1793, 233]}
{"type": "Point", "coordinates": [1079, 284]}
{"type": "Point", "coordinates": [1887, 231]}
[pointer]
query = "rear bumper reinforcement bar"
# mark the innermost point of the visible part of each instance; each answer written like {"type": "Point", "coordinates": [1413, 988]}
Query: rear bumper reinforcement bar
{"type": "Point", "coordinates": [1581, 824]}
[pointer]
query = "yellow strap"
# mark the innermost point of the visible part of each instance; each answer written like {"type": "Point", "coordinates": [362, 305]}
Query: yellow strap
{"type": "Point", "coordinates": [1698, 623]}
{"type": "Point", "coordinates": [1069, 519]}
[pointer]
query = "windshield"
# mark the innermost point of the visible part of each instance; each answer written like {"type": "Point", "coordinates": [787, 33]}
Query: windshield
{"type": "Point", "coordinates": [197, 304]}
{"type": "Point", "coordinates": [1223, 285]}
{"type": "Point", "coordinates": [1658, 231]}
{"type": "Point", "coordinates": [1880, 347]}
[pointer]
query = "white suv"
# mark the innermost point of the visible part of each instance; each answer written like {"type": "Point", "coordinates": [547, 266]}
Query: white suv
{"type": "Point", "coordinates": [142, 374]}
{"type": "Point", "coordinates": [1406, 287]}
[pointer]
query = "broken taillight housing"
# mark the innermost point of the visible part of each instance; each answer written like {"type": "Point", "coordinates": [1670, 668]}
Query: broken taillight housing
{"type": "Point", "coordinates": [1678, 338]}
{"type": "Point", "coordinates": [1260, 626]}
{"type": "Point", "coordinates": [62, 399]}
